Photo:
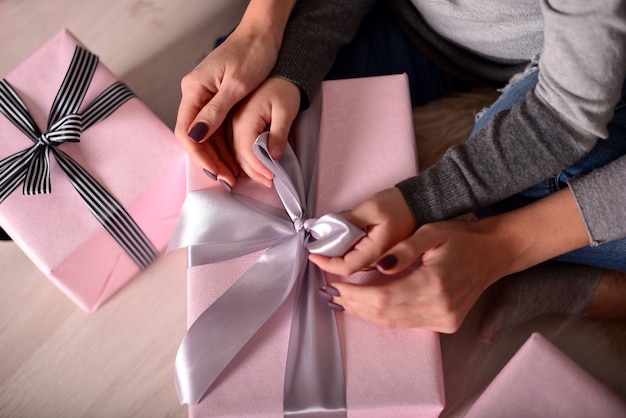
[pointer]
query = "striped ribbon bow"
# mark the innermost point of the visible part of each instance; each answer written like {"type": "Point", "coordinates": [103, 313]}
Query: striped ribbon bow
{"type": "Point", "coordinates": [32, 165]}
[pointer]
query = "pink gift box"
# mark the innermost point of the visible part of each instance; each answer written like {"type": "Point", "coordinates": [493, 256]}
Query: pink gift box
{"type": "Point", "coordinates": [366, 144]}
{"type": "Point", "coordinates": [130, 153]}
{"type": "Point", "coordinates": [541, 381]}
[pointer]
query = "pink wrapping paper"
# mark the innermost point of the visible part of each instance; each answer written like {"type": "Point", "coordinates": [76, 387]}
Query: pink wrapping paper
{"type": "Point", "coordinates": [541, 381]}
{"type": "Point", "coordinates": [131, 153]}
{"type": "Point", "coordinates": [366, 144]}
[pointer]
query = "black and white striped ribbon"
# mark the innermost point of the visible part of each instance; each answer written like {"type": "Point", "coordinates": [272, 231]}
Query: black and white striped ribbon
{"type": "Point", "coordinates": [32, 165]}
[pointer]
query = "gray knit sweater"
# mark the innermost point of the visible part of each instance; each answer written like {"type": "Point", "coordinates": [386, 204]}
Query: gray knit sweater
{"type": "Point", "coordinates": [582, 44]}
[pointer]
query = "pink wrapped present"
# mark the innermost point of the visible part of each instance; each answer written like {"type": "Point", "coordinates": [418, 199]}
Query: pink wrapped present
{"type": "Point", "coordinates": [366, 144]}
{"type": "Point", "coordinates": [541, 381]}
{"type": "Point", "coordinates": [91, 181]}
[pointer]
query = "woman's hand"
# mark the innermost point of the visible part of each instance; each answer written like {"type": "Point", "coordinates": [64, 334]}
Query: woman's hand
{"type": "Point", "coordinates": [275, 104]}
{"type": "Point", "coordinates": [435, 275]}
{"type": "Point", "coordinates": [230, 72]}
{"type": "Point", "coordinates": [386, 218]}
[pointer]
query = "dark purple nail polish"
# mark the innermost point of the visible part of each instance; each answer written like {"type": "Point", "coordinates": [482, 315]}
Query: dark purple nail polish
{"type": "Point", "coordinates": [324, 295]}
{"type": "Point", "coordinates": [211, 175]}
{"type": "Point", "coordinates": [336, 306]}
{"type": "Point", "coordinates": [198, 131]}
{"type": "Point", "coordinates": [387, 262]}
{"type": "Point", "coordinates": [226, 186]}
{"type": "Point", "coordinates": [332, 291]}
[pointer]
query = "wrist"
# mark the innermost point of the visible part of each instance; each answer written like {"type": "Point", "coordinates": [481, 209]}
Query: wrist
{"type": "Point", "coordinates": [266, 19]}
{"type": "Point", "coordinates": [507, 241]}
{"type": "Point", "coordinates": [535, 233]}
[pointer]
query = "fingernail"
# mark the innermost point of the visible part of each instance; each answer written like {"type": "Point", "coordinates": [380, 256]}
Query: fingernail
{"type": "Point", "coordinates": [336, 306]}
{"type": "Point", "coordinates": [324, 295]}
{"type": "Point", "coordinates": [198, 131]}
{"type": "Point", "coordinates": [226, 186]}
{"type": "Point", "coordinates": [387, 262]}
{"type": "Point", "coordinates": [211, 175]}
{"type": "Point", "coordinates": [332, 291]}
{"type": "Point", "coordinates": [276, 152]}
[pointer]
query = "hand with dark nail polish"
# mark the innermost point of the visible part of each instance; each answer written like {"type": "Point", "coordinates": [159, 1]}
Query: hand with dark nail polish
{"type": "Point", "coordinates": [209, 174]}
{"type": "Point", "coordinates": [198, 131]}
{"type": "Point", "coordinates": [226, 186]}
{"type": "Point", "coordinates": [232, 71]}
{"type": "Point", "coordinates": [336, 307]}
{"type": "Point", "coordinates": [324, 295]}
{"type": "Point", "coordinates": [387, 262]}
{"type": "Point", "coordinates": [331, 290]}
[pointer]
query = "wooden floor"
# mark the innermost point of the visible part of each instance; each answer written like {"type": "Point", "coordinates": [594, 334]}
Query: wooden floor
{"type": "Point", "coordinates": [57, 361]}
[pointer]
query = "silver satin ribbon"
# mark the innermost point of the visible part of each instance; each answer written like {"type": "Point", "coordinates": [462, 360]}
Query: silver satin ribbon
{"type": "Point", "coordinates": [217, 226]}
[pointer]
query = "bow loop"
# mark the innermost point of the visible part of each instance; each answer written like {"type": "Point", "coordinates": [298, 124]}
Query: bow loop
{"type": "Point", "coordinates": [37, 180]}
{"type": "Point", "coordinates": [66, 129]}
{"type": "Point", "coordinates": [218, 226]}
{"type": "Point", "coordinates": [331, 235]}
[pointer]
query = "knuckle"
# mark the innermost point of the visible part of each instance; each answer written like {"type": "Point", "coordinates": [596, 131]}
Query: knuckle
{"type": "Point", "coordinates": [343, 271]}
{"type": "Point", "coordinates": [215, 112]}
{"type": "Point", "coordinates": [428, 228]}
{"type": "Point", "coordinates": [456, 323]}
{"type": "Point", "coordinates": [379, 314]}
{"type": "Point", "coordinates": [453, 324]}
{"type": "Point", "coordinates": [381, 300]}
{"type": "Point", "coordinates": [188, 81]}
{"type": "Point", "coordinates": [238, 88]}
{"type": "Point", "coordinates": [406, 249]}
{"type": "Point", "coordinates": [391, 325]}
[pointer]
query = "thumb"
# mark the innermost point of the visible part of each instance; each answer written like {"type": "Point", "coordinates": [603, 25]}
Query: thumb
{"type": "Point", "coordinates": [212, 115]}
{"type": "Point", "coordinates": [279, 131]}
{"type": "Point", "coordinates": [404, 255]}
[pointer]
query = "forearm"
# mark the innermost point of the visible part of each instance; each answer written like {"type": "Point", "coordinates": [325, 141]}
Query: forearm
{"type": "Point", "coordinates": [535, 233]}
{"type": "Point", "coordinates": [267, 18]}
{"type": "Point", "coordinates": [517, 149]}
{"type": "Point", "coordinates": [315, 32]}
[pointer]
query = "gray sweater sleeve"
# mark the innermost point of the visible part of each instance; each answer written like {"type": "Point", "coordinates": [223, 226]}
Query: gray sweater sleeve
{"type": "Point", "coordinates": [582, 70]}
{"type": "Point", "coordinates": [315, 32]}
{"type": "Point", "coordinates": [515, 150]}
{"type": "Point", "coordinates": [601, 200]}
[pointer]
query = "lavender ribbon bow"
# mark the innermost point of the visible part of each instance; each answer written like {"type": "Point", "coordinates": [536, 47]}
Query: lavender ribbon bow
{"type": "Point", "coordinates": [216, 226]}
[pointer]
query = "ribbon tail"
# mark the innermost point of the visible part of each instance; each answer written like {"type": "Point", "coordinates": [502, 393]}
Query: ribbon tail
{"type": "Point", "coordinates": [109, 212]}
{"type": "Point", "coordinates": [15, 110]}
{"type": "Point", "coordinates": [314, 378]}
{"type": "Point", "coordinates": [37, 180]}
{"type": "Point", "coordinates": [13, 169]}
{"type": "Point", "coordinates": [222, 330]}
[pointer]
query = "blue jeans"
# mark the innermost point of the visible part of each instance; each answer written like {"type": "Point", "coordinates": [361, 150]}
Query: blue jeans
{"type": "Point", "coordinates": [610, 255]}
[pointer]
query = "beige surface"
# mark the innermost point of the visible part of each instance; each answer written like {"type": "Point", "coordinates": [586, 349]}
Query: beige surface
{"type": "Point", "coordinates": [56, 361]}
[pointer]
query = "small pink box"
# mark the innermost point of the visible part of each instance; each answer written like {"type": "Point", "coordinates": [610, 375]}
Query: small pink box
{"type": "Point", "coordinates": [541, 381]}
{"type": "Point", "coordinates": [366, 144]}
{"type": "Point", "coordinates": [130, 153]}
